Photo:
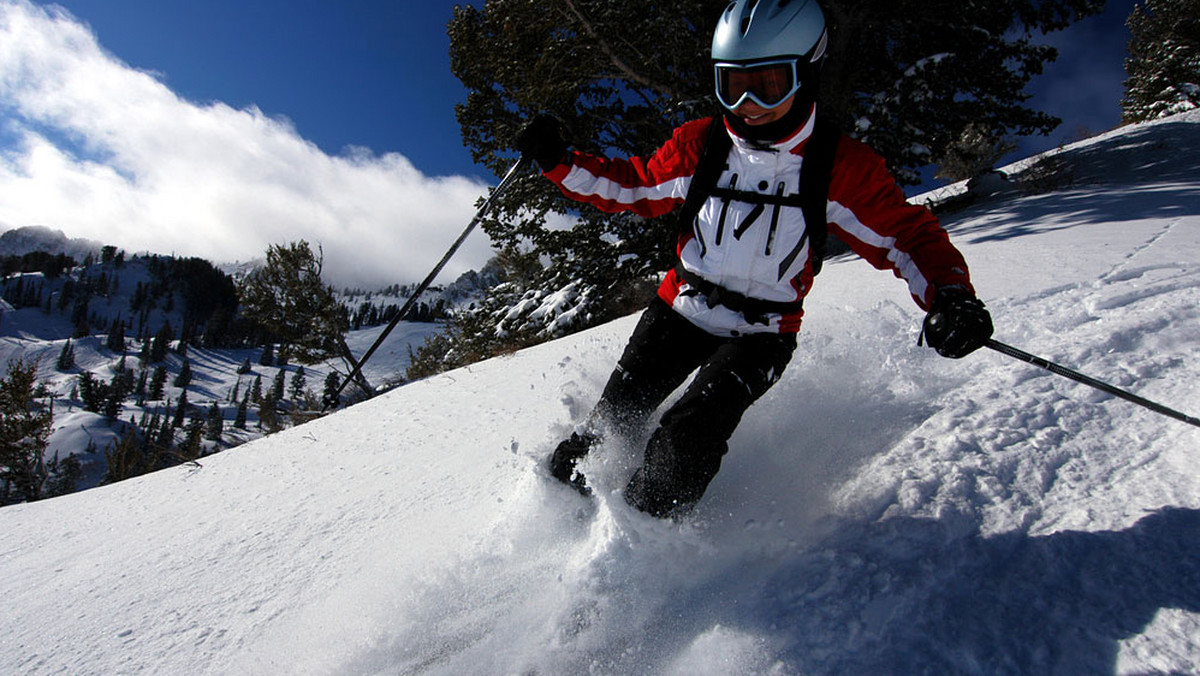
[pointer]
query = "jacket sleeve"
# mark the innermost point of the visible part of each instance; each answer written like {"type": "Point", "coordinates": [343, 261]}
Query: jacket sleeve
{"type": "Point", "coordinates": [868, 211]}
{"type": "Point", "coordinates": [650, 186]}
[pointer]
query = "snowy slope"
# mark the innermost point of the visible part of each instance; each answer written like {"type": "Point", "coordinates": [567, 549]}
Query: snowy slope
{"type": "Point", "coordinates": [881, 511]}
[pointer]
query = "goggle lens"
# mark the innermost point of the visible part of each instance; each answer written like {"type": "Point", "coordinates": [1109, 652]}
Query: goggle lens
{"type": "Point", "coordinates": [768, 84]}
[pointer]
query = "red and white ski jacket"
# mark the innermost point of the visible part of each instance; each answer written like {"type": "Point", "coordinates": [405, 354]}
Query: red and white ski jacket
{"type": "Point", "coordinates": [765, 255]}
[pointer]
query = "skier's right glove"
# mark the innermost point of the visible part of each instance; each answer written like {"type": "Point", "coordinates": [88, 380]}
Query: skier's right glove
{"type": "Point", "coordinates": [542, 140]}
{"type": "Point", "coordinates": [957, 323]}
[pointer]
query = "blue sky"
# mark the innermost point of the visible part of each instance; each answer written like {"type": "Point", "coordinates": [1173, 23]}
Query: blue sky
{"type": "Point", "coordinates": [216, 128]}
{"type": "Point", "coordinates": [1085, 85]}
{"type": "Point", "coordinates": [372, 73]}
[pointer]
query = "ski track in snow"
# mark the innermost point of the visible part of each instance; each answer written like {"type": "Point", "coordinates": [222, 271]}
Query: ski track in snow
{"type": "Point", "coordinates": [881, 511]}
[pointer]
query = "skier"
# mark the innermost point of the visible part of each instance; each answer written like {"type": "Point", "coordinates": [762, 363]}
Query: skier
{"type": "Point", "coordinates": [732, 305]}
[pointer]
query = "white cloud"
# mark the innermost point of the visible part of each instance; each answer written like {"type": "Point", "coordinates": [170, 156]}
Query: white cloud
{"type": "Point", "coordinates": [104, 151]}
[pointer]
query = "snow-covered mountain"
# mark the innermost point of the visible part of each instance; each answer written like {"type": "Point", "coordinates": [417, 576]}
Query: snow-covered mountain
{"type": "Point", "coordinates": [881, 511]}
{"type": "Point", "coordinates": [30, 238]}
{"type": "Point", "coordinates": [146, 295]}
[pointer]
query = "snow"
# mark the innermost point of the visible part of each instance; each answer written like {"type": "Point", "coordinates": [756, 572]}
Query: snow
{"type": "Point", "coordinates": [882, 510]}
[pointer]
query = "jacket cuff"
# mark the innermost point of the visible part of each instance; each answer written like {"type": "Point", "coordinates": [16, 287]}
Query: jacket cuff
{"type": "Point", "coordinates": [560, 171]}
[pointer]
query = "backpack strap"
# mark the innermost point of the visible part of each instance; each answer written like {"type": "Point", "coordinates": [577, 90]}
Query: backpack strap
{"type": "Point", "coordinates": [815, 176]}
{"type": "Point", "coordinates": [717, 144]}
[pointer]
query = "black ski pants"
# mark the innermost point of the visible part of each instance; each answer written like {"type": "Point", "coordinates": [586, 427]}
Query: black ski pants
{"type": "Point", "coordinates": [684, 452]}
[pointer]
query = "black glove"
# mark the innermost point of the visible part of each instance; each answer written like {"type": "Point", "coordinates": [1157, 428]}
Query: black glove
{"type": "Point", "coordinates": [541, 139]}
{"type": "Point", "coordinates": [957, 323]}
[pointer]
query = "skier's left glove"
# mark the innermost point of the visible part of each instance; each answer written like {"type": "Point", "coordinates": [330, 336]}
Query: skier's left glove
{"type": "Point", "coordinates": [957, 323]}
{"type": "Point", "coordinates": [542, 140]}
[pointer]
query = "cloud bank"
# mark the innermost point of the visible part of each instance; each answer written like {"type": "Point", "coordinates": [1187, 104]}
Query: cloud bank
{"type": "Point", "coordinates": [101, 150]}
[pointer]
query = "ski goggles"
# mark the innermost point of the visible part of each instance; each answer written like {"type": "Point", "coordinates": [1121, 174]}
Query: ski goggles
{"type": "Point", "coordinates": [767, 83]}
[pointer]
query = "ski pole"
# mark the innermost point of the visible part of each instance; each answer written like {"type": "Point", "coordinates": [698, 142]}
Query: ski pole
{"type": "Point", "coordinates": [332, 398]}
{"type": "Point", "coordinates": [1086, 380]}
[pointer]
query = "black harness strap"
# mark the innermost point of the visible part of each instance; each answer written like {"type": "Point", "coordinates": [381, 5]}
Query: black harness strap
{"type": "Point", "coordinates": [717, 145]}
{"type": "Point", "coordinates": [793, 200]}
{"type": "Point", "coordinates": [815, 175]}
{"type": "Point", "coordinates": [755, 310]}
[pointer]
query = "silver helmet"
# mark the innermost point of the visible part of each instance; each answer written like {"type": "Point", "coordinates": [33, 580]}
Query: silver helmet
{"type": "Point", "coordinates": [757, 30]}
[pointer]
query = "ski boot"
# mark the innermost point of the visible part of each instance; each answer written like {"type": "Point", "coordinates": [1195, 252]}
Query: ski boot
{"type": "Point", "coordinates": [567, 455]}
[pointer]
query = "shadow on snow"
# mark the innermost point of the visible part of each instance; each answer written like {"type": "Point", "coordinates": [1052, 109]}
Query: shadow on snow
{"type": "Point", "coordinates": [907, 595]}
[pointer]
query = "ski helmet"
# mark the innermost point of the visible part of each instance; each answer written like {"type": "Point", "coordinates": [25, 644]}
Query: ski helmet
{"type": "Point", "coordinates": [767, 50]}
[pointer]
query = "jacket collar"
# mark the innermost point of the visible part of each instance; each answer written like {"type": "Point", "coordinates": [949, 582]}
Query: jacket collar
{"type": "Point", "coordinates": [789, 143]}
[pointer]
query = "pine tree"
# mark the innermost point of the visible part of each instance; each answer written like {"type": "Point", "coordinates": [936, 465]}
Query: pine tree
{"type": "Point", "coordinates": [974, 153]}
{"type": "Point", "coordinates": [80, 318]}
{"type": "Point", "coordinates": [24, 432]}
{"type": "Point", "coordinates": [277, 385]}
{"type": "Point", "coordinates": [66, 295]}
{"type": "Point", "coordinates": [331, 384]}
{"type": "Point", "coordinates": [114, 395]}
{"type": "Point", "coordinates": [181, 410]}
{"type": "Point", "coordinates": [287, 297]}
{"type": "Point", "coordinates": [268, 416]}
{"type": "Point", "coordinates": [1163, 66]}
{"type": "Point", "coordinates": [160, 344]}
{"type": "Point", "coordinates": [139, 297]}
{"type": "Point", "coordinates": [116, 336]}
{"type": "Point", "coordinates": [192, 448]}
{"type": "Point", "coordinates": [158, 383]}
{"type": "Point", "coordinates": [185, 375]}
{"type": "Point", "coordinates": [92, 392]}
{"type": "Point", "coordinates": [164, 441]}
{"type": "Point", "coordinates": [239, 419]}
{"type": "Point", "coordinates": [66, 357]}
{"type": "Point", "coordinates": [214, 425]}
{"type": "Point", "coordinates": [299, 381]}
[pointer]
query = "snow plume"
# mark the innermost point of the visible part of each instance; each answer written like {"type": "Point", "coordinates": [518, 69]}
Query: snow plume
{"type": "Point", "coordinates": [107, 152]}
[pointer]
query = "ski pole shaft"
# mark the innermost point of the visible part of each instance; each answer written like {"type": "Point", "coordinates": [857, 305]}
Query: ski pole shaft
{"type": "Point", "coordinates": [513, 172]}
{"type": "Point", "coordinates": [1087, 380]}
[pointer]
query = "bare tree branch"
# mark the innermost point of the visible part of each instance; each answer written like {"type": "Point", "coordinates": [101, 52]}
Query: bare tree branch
{"type": "Point", "coordinates": [621, 64]}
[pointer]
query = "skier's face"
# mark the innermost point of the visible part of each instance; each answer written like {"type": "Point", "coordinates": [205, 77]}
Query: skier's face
{"type": "Point", "coordinates": [755, 115]}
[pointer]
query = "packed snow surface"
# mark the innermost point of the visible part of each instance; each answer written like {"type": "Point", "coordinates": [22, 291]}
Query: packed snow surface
{"type": "Point", "coordinates": [881, 511]}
